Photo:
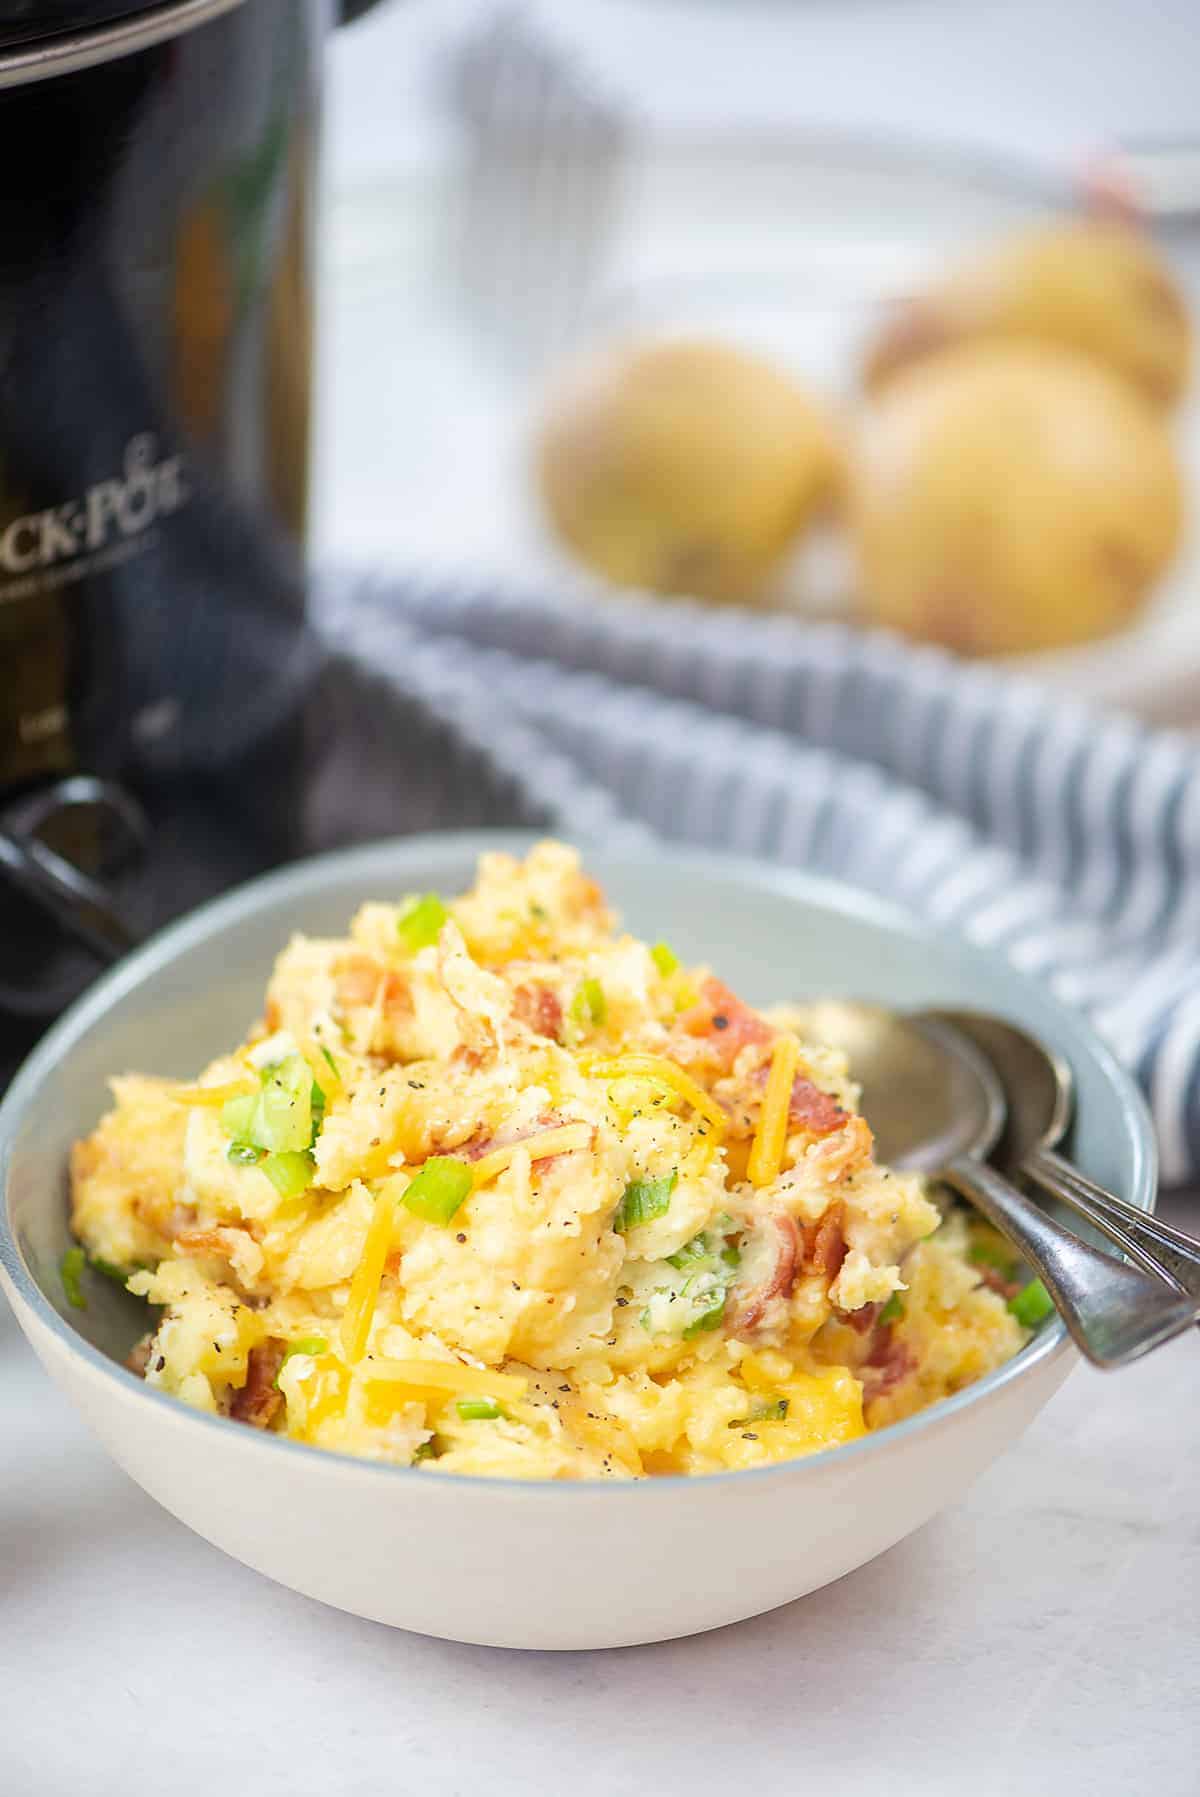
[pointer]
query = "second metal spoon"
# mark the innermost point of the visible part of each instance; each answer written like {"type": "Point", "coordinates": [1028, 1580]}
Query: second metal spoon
{"type": "Point", "coordinates": [936, 1107]}
{"type": "Point", "coordinates": [1040, 1091]}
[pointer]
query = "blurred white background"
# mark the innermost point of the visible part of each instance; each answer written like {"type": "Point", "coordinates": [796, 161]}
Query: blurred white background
{"type": "Point", "coordinates": [1036, 76]}
{"type": "Point", "coordinates": [425, 405]}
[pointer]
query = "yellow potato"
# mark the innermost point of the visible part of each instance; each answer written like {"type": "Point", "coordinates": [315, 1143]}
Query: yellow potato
{"type": "Point", "coordinates": [1098, 288]}
{"type": "Point", "coordinates": [1010, 497]}
{"type": "Point", "coordinates": [684, 467]}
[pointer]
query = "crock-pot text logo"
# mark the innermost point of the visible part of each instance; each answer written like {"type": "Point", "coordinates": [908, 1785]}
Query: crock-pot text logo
{"type": "Point", "coordinates": [112, 510]}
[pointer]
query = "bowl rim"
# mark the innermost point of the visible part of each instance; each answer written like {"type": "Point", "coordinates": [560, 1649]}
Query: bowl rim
{"type": "Point", "coordinates": [311, 875]}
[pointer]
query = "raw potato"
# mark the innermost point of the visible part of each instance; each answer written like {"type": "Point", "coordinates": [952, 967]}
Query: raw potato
{"type": "Point", "coordinates": [1011, 497]}
{"type": "Point", "coordinates": [1101, 289]}
{"type": "Point", "coordinates": [684, 467]}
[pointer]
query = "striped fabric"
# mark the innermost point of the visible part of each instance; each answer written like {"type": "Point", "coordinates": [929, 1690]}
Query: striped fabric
{"type": "Point", "coordinates": [1066, 838]}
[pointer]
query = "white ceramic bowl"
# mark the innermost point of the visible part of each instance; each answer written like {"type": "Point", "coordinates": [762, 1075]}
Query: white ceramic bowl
{"type": "Point", "coordinates": [498, 1561]}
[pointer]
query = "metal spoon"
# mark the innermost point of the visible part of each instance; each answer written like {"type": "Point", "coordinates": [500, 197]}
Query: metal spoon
{"type": "Point", "coordinates": [936, 1107]}
{"type": "Point", "coordinates": [1041, 1099]}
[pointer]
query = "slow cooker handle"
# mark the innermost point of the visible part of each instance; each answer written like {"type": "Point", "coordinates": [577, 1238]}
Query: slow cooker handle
{"type": "Point", "coordinates": [354, 9]}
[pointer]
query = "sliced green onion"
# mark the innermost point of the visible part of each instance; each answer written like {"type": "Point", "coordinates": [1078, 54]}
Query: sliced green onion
{"type": "Point", "coordinates": [893, 1310]}
{"type": "Point", "coordinates": [772, 1411]}
{"type": "Point", "coordinates": [333, 1066]}
{"type": "Point", "coordinates": [589, 1004]}
{"type": "Point", "coordinates": [712, 1318]}
{"type": "Point", "coordinates": [305, 1344]}
{"type": "Point", "coordinates": [283, 1120]}
{"type": "Point", "coordinates": [690, 1253]}
{"type": "Point", "coordinates": [237, 1116]}
{"type": "Point", "coordinates": [643, 1200]}
{"type": "Point", "coordinates": [426, 1450]}
{"type": "Point", "coordinates": [665, 959]}
{"type": "Point", "coordinates": [478, 1410]}
{"type": "Point", "coordinates": [439, 1189]}
{"type": "Point", "coordinates": [70, 1269]}
{"type": "Point", "coordinates": [704, 1251]}
{"type": "Point", "coordinates": [420, 922]}
{"type": "Point", "coordinates": [108, 1268]}
{"type": "Point", "coordinates": [283, 1117]}
{"type": "Point", "coordinates": [291, 1173]}
{"type": "Point", "coordinates": [244, 1154]}
{"type": "Point", "coordinates": [1032, 1304]}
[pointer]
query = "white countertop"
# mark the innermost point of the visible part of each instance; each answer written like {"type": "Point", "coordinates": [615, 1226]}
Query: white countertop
{"type": "Point", "coordinates": [1040, 1637]}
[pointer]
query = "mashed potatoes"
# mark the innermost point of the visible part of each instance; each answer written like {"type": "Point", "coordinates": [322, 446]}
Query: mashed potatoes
{"type": "Point", "coordinates": [494, 1188]}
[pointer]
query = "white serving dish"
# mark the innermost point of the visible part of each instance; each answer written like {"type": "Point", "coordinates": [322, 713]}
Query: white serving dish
{"type": "Point", "coordinates": [591, 1564]}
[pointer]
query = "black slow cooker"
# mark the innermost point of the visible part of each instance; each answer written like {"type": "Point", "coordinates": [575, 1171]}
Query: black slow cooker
{"type": "Point", "coordinates": [156, 319]}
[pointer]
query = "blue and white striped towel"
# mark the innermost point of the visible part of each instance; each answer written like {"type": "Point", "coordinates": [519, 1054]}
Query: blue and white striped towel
{"type": "Point", "coordinates": [1067, 838]}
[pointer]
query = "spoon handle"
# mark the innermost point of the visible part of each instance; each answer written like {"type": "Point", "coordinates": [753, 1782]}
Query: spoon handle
{"type": "Point", "coordinates": [1152, 1243]}
{"type": "Point", "coordinates": [1114, 1313]}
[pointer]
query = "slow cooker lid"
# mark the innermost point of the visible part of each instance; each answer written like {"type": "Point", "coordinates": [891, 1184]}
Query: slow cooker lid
{"type": "Point", "coordinates": [24, 21]}
{"type": "Point", "coordinates": [21, 20]}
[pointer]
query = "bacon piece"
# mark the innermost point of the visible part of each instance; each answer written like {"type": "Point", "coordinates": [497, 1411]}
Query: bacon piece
{"type": "Point", "coordinates": [862, 1321]}
{"type": "Point", "coordinates": [725, 1023]}
{"type": "Point", "coordinates": [813, 1109]}
{"type": "Point", "coordinates": [476, 1146]}
{"type": "Point", "coordinates": [809, 1107]}
{"type": "Point", "coordinates": [995, 1281]}
{"type": "Point", "coordinates": [223, 1240]}
{"type": "Point", "coordinates": [360, 980]}
{"type": "Point", "coordinates": [258, 1401]}
{"type": "Point", "coordinates": [539, 1009]}
{"type": "Point", "coordinates": [844, 1150]}
{"type": "Point", "coordinates": [747, 1304]}
{"type": "Point", "coordinates": [825, 1245]}
{"type": "Point", "coordinates": [481, 1144]}
{"type": "Point", "coordinates": [889, 1362]}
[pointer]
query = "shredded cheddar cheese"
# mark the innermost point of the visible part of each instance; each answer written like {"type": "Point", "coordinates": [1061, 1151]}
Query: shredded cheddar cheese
{"type": "Point", "coordinates": [215, 1096]}
{"type": "Point", "coordinates": [770, 1138]}
{"type": "Point", "coordinates": [326, 1076]}
{"type": "Point", "coordinates": [658, 1068]}
{"type": "Point", "coordinates": [449, 1376]}
{"type": "Point", "coordinates": [325, 1388]}
{"type": "Point", "coordinates": [567, 1140]}
{"type": "Point", "coordinates": [364, 1287]}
